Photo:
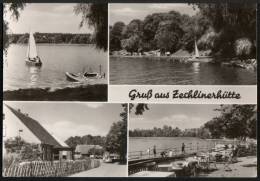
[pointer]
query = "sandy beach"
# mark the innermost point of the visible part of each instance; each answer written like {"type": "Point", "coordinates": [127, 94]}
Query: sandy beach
{"type": "Point", "coordinates": [96, 92]}
{"type": "Point", "coordinates": [245, 167]}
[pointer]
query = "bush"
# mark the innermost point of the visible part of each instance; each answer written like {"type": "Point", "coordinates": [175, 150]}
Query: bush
{"type": "Point", "coordinates": [243, 48]}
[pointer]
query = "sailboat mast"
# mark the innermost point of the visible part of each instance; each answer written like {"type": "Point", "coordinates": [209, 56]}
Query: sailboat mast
{"type": "Point", "coordinates": [196, 50]}
{"type": "Point", "coordinates": [28, 48]}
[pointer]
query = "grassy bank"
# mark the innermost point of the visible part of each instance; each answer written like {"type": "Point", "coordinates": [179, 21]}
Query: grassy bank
{"type": "Point", "coordinates": [96, 92]}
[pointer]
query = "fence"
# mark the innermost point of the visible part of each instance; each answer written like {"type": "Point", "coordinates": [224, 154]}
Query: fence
{"type": "Point", "coordinates": [50, 169]}
{"type": "Point", "coordinates": [175, 151]}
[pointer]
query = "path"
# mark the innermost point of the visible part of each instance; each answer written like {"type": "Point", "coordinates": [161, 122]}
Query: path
{"type": "Point", "coordinates": [105, 170]}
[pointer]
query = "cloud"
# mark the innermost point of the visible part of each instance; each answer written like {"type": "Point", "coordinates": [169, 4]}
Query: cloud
{"type": "Point", "coordinates": [181, 121]}
{"type": "Point", "coordinates": [69, 128]}
{"type": "Point", "coordinates": [94, 105]}
{"type": "Point", "coordinates": [125, 11]}
{"type": "Point", "coordinates": [48, 17]}
{"type": "Point", "coordinates": [166, 6]}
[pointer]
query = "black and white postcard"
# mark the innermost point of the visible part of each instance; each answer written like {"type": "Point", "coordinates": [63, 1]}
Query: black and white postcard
{"type": "Point", "coordinates": [130, 89]}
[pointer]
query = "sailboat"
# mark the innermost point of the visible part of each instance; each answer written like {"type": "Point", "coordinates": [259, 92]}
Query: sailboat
{"type": "Point", "coordinates": [32, 57]}
{"type": "Point", "coordinates": [196, 50]}
{"type": "Point", "coordinates": [196, 57]}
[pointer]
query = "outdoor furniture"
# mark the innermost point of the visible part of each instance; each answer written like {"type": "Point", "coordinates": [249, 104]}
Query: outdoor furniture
{"type": "Point", "coordinates": [153, 174]}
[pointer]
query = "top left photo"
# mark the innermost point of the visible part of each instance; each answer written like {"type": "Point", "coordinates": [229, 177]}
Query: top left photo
{"type": "Point", "coordinates": [55, 52]}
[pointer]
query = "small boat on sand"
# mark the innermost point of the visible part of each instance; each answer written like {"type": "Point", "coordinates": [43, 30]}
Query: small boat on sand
{"type": "Point", "coordinates": [32, 58]}
{"type": "Point", "coordinates": [82, 77]}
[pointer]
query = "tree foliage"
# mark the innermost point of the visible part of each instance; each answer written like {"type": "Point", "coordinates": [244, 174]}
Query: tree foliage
{"type": "Point", "coordinates": [139, 108]}
{"type": "Point", "coordinates": [26, 151]}
{"type": "Point", "coordinates": [116, 36]}
{"type": "Point", "coordinates": [52, 38]}
{"type": "Point", "coordinates": [14, 9]}
{"type": "Point", "coordinates": [217, 27]}
{"type": "Point", "coordinates": [96, 16]}
{"type": "Point", "coordinates": [232, 21]}
{"type": "Point", "coordinates": [235, 121]}
{"type": "Point", "coordinates": [73, 141]}
{"type": "Point", "coordinates": [169, 131]}
{"type": "Point", "coordinates": [116, 140]}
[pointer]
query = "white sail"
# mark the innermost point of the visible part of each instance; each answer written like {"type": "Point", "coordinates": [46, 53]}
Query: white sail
{"type": "Point", "coordinates": [32, 50]}
{"type": "Point", "coordinates": [196, 50]}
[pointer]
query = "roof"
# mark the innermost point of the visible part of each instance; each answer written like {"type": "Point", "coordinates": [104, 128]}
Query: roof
{"type": "Point", "coordinates": [36, 128]}
{"type": "Point", "coordinates": [84, 149]}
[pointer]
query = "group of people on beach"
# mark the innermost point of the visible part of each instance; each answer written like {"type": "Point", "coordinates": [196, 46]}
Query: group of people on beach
{"type": "Point", "coordinates": [164, 152]}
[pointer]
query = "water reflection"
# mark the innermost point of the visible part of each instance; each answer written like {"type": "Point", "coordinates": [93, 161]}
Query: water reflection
{"type": "Point", "coordinates": [150, 71]}
{"type": "Point", "coordinates": [34, 75]}
{"type": "Point", "coordinates": [196, 67]}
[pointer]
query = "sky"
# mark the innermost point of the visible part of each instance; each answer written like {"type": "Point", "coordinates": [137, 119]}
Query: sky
{"type": "Point", "coordinates": [126, 12]}
{"type": "Point", "coordinates": [70, 119]}
{"type": "Point", "coordinates": [183, 116]}
{"type": "Point", "coordinates": [47, 18]}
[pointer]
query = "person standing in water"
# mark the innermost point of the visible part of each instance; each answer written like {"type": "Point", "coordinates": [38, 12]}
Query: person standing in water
{"type": "Point", "coordinates": [154, 151]}
{"type": "Point", "coordinates": [183, 148]}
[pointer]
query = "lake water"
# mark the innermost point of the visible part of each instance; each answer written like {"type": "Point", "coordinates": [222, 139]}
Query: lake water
{"type": "Point", "coordinates": [129, 70]}
{"type": "Point", "coordinates": [57, 59]}
{"type": "Point", "coordinates": [142, 144]}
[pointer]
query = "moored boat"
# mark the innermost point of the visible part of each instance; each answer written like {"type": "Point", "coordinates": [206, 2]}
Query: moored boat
{"type": "Point", "coordinates": [82, 77]}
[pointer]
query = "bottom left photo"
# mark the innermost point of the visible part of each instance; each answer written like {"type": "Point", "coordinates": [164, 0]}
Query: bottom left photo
{"type": "Point", "coordinates": [51, 139]}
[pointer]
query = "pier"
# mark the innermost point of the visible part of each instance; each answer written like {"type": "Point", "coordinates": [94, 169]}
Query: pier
{"type": "Point", "coordinates": [143, 161]}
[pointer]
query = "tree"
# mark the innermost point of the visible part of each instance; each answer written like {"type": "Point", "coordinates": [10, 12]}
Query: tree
{"type": "Point", "coordinates": [235, 121]}
{"type": "Point", "coordinates": [131, 44]}
{"type": "Point", "coordinates": [232, 21]}
{"type": "Point", "coordinates": [73, 141]}
{"type": "Point", "coordinates": [134, 28]}
{"type": "Point", "coordinates": [168, 36]}
{"type": "Point", "coordinates": [86, 140]}
{"type": "Point", "coordinates": [116, 36]}
{"type": "Point", "coordinates": [26, 151]}
{"type": "Point", "coordinates": [116, 141]}
{"type": "Point", "coordinates": [139, 109]}
{"type": "Point", "coordinates": [96, 16]}
{"type": "Point", "coordinates": [15, 9]}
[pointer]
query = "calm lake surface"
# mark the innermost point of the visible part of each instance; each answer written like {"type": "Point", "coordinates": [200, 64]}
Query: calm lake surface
{"type": "Point", "coordinates": [57, 59]}
{"type": "Point", "coordinates": [138, 144]}
{"type": "Point", "coordinates": [129, 70]}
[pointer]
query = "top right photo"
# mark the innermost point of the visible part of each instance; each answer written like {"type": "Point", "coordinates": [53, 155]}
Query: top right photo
{"type": "Point", "coordinates": [182, 44]}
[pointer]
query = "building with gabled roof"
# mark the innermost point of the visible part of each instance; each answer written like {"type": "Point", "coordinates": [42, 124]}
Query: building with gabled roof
{"type": "Point", "coordinates": [50, 147]}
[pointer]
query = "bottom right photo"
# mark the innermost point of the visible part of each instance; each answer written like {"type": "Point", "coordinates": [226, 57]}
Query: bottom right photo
{"type": "Point", "coordinates": [192, 140]}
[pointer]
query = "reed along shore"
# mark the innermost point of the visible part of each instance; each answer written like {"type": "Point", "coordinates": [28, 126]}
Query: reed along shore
{"type": "Point", "coordinates": [97, 92]}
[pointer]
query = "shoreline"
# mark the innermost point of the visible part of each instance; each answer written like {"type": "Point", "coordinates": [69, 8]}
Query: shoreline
{"type": "Point", "coordinates": [229, 62]}
{"type": "Point", "coordinates": [97, 92]}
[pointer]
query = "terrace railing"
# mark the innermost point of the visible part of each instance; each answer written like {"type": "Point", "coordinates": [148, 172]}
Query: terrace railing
{"type": "Point", "coordinates": [175, 151]}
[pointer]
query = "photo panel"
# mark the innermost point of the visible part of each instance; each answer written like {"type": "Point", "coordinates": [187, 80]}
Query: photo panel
{"type": "Point", "coordinates": [192, 140]}
{"type": "Point", "coordinates": [55, 52]}
{"type": "Point", "coordinates": [183, 43]}
{"type": "Point", "coordinates": [57, 139]}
